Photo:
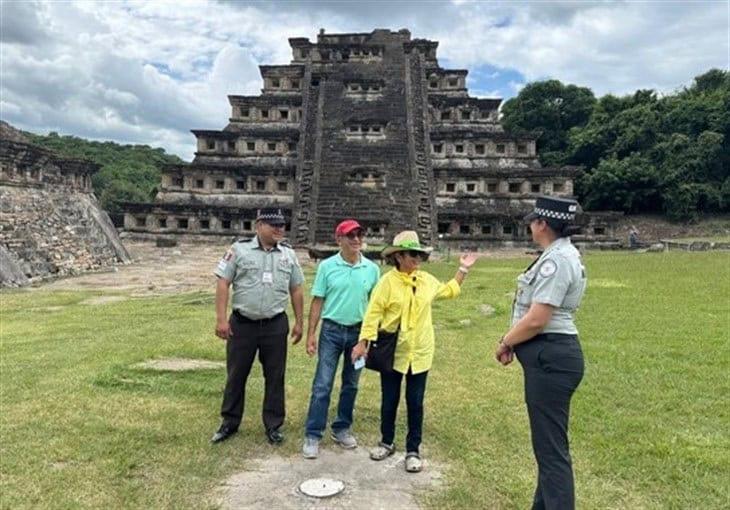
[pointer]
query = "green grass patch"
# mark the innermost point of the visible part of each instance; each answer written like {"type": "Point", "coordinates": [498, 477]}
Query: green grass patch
{"type": "Point", "coordinates": [82, 426]}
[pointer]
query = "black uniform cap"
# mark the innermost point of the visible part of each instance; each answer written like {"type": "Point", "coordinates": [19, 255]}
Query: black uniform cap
{"type": "Point", "coordinates": [271, 215]}
{"type": "Point", "coordinates": [561, 209]}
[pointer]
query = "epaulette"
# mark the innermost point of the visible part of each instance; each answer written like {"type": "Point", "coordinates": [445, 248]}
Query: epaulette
{"type": "Point", "coordinates": [286, 244]}
{"type": "Point", "coordinates": [244, 240]}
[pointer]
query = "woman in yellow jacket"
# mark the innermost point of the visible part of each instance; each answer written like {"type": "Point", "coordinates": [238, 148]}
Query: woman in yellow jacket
{"type": "Point", "coordinates": [402, 298]}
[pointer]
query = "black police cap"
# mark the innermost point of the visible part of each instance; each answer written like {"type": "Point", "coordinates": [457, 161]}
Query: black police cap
{"type": "Point", "coordinates": [561, 209]}
{"type": "Point", "coordinates": [271, 215]}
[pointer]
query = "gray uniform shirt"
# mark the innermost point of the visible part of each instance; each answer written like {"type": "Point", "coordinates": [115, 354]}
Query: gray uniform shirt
{"type": "Point", "coordinates": [261, 279]}
{"type": "Point", "coordinates": [557, 278]}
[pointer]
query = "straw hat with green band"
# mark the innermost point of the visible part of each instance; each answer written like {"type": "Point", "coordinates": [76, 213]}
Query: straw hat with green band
{"type": "Point", "coordinates": [406, 241]}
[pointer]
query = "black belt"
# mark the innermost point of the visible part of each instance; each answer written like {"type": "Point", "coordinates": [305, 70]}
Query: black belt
{"type": "Point", "coordinates": [245, 319]}
{"type": "Point", "coordinates": [555, 337]}
{"type": "Point", "coordinates": [351, 326]}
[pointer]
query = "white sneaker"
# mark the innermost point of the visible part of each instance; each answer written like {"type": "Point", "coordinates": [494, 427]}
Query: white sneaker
{"type": "Point", "coordinates": [310, 450]}
{"type": "Point", "coordinates": [414, 464]}
{"type": "Point", "coordinates": [382, 451]}
{"type": "Point", "coordinates": [345, 439]}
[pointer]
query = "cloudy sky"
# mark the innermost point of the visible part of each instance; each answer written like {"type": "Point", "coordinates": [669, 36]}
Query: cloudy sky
{"type": "Point", "coordinates": [148, 72]}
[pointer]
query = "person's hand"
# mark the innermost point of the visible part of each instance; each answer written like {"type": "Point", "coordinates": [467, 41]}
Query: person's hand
{"type": "Point", "coordinates": [223, 330]}
{"type": "Point", "coordinates": [312, 344]}
{"type": "Point", "coordinates": [467, 259]}
{"type": "Point", "coordinates": [360, 350]}
{"type": "Point", "coordinates": [507, 357]}
{"type": "Point", "coordinates": [504, 354]}
{"type": "Point", "coordinates": [296, 333]}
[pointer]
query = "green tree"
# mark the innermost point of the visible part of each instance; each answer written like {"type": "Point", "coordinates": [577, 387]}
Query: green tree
{"type": "Point", "coordinates": [631, 184]}
{"type": "Point", "coordinates": [678, 144]}
{"type": "Point", "coordinates": [551, 108]}
{"type": "Point", "coordinates": [128, 173]}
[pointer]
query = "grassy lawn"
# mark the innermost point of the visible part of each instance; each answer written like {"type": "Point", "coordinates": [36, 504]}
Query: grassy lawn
{"type": "Point", "coordinates": [81, 427]}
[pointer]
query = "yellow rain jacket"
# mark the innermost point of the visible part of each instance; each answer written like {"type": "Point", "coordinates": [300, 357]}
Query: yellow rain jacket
{"type": "Point", "coordinates": [394, 301]}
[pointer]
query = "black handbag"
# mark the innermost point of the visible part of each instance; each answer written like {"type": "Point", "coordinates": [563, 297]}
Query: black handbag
{"type": "Point", "coordinates": [382, 351]}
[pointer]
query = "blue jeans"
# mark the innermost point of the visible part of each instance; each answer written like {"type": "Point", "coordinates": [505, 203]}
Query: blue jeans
{"type": "Point", "coordinates": [390, 385]}
{"type": "Point", "coordinates": [334, 340]}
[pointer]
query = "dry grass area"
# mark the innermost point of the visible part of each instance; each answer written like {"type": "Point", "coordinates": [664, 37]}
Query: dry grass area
{"type": "Point", "coordinates": [184, 268]}
{"type": "Point", "coordinates": [655, 228]}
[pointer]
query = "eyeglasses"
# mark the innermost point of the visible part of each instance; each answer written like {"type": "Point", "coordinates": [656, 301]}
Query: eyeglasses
{"type": "Point", "coordinates": [276, 225]}
{"type": "Point", "coordinates": [358, 234]}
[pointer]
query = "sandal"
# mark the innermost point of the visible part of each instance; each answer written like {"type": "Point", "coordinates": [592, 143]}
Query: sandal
{"type": "Point", "coordinates": [414, 464]}
{"type": "Point", "coordinates": [382, 451]}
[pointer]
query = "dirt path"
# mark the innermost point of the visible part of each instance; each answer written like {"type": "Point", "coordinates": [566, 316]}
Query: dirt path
{"type": "Point", "coordinates": [184, 268]}
{"type": "Point", "coordinates": [273, 482]}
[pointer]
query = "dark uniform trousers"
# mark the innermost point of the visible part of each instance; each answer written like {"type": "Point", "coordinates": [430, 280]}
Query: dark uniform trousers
{"type": "Point", "coordinates": [268, 337]}
{"type": "Point", "coordinates": [553, 368]}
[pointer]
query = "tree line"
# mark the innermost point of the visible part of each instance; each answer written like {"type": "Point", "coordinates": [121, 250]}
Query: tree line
{"type": "Point", "coordinates": [128, 172]}
{"type": "Point", "coordinates": [641, 153]}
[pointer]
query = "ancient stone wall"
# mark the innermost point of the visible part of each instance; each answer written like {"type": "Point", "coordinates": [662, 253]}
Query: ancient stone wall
{"type": "Point", "coordinates": [363, 125]}
{"type": "Point", "coordinates": [305, 215]}
{"type": "Point", "coordinates": [366, 136]}
{"type": "Point", "coordinates": [419, 144]}
{"type": "Point", "coordinates": [50, 222]}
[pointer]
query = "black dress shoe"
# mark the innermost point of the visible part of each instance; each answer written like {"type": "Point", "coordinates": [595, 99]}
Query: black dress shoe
{"type": "Point", "coordinates": [274, 436]}
{"type": "Point", "coordinates": [223, 433]}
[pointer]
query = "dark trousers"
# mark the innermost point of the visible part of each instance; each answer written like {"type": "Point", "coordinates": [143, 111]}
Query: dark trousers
{"type": "Point", "coordinates": [268, 337]}
{"type": "Point", "coordinates": [390, 383]}
{"type": "Point", "coordinates": [553, 368]}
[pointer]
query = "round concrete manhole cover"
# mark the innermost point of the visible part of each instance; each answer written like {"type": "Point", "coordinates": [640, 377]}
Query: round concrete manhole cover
{"type": "Point", "coordinates": [321, 487]}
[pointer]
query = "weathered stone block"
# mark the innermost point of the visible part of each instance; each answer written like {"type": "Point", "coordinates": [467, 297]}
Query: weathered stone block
{"type": "Point", "coordinates": [53, 225]}
{"type": "Point", "coordinates": [165, 242]}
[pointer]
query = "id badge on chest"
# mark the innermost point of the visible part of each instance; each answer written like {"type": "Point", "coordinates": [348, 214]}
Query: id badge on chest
{"type": "Point", "coordinates": [267, 277]}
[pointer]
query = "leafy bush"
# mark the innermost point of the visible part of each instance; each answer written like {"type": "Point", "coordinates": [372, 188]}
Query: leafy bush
{"type": "Point", "coordinates": [640, 152]}
{"type": "Point", "coordinates": [127, 173]}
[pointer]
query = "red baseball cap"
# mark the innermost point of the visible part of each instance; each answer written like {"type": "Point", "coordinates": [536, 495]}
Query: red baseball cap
{"type": "Point", "coordinates": [347, 226]}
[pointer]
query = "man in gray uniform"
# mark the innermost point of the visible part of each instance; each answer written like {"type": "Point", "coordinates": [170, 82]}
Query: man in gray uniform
{"type": "Point", "coordinates": [545, 339]}
{"type": "Point", "coordinates": [264, 273]}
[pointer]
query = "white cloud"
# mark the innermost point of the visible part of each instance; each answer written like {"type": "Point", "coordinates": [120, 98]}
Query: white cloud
{"type": "Point", "coordinates": [610, 47]}
{"type": "Point", "coordinates": [148, 72]}
{"type": "Point", "coordinates": [137, 73]}
{"type": "Point", "coordinates": [29, 30]}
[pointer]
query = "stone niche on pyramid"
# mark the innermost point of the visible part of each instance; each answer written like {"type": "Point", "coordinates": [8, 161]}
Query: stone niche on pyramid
{"type": "Point", "coordinates": [364, 126]}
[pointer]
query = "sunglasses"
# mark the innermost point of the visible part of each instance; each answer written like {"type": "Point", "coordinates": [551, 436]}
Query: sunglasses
{"type": "Point", "coordinates": [414, 254]}
{"type": "Point", "coordinates": [358, 234]}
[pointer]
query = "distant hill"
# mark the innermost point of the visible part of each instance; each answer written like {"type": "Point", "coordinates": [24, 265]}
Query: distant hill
{"type": "Point", "coordinates": [128, 172]}
{"type": "Point", "coordinates": [8, 132]}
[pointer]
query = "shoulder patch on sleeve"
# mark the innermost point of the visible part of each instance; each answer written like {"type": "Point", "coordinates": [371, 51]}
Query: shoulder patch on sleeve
{"type": "Point", "coordinates": [228, 256]}
{"type": "Point", "coordinates": [548, 268]}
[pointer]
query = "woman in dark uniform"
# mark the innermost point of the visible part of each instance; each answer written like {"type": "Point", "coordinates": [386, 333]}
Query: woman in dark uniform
{"type": "Point", "coordinates": [544, 337]}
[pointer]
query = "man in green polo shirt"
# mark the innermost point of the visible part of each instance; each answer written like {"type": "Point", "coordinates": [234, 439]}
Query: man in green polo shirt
{"type": "Point", "coordinates": [339, 297]}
